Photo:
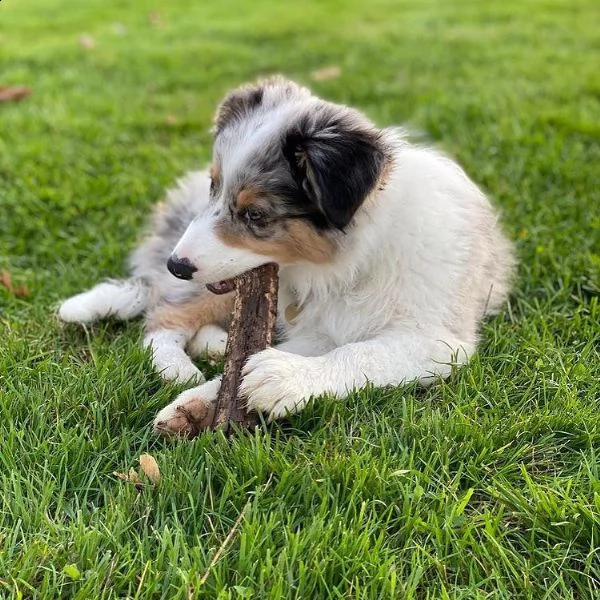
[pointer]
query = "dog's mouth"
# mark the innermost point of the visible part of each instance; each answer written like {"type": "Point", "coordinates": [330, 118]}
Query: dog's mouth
{"type": "Point", "coordinates": [221, 287]}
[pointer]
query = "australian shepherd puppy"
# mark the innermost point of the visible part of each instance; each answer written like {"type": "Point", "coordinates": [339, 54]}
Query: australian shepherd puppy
{"type": "Point", "coordinates": [389, 255]}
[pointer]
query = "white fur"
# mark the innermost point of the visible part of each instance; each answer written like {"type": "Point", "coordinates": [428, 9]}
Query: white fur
{"type": "Point", "coordinates": [169, 356]}
{"type": "Point", "coordinates": [123, 299]}
{"type": "Point", "coordinates": [210, 340]}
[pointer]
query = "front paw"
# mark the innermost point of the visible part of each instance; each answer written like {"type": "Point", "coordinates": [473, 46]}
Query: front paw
{"type": "Point", "coordinates": [191, 412]}
{"type": "Point", "coordinates": [210, 341]}
{"type": "Point", "coordinates": [276, 383]}
{"type": "Point", "coordinates": [78, 309]}
{"type": "Point", "coordinates": [182, 371]}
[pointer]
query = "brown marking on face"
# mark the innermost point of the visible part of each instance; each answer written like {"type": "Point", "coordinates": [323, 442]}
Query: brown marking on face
{"type": "Point", "coordinates": [295, 241]}
{"type": "Point", "coordinates": [245, 198]}
{"type": "Point", "coordinates": [191, 315]}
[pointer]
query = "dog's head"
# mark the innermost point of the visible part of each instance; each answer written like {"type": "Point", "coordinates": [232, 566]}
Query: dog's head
{"type": "Point", "coordinates": [289, 173]}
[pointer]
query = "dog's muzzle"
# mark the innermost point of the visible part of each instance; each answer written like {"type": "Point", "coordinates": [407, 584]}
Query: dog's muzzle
{"type": "Point", "coordinates": [181, 267]}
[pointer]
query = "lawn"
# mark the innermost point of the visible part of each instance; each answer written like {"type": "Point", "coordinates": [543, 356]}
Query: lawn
{"type": "Point", "coordinates": [485, 486]}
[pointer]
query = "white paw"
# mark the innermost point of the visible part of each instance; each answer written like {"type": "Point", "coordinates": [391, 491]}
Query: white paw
{"type": "Point", "coordinates": [182, 371]}
{"type": "Point", "coordinates": [277, 383]}
{"type": "Point", "coordinates": [123, 299]}
{"type": "Point", "coordinates": [78, 309]}
{"type": "Point", "coordinates": [210, 340]}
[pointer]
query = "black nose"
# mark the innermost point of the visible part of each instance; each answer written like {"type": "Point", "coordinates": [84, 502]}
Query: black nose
{"type": "Point", "coordinates": [181, 267]}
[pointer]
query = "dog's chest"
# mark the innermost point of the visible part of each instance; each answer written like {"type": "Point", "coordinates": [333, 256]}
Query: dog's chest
{"type": "Point", "coordinates": [329, 318]}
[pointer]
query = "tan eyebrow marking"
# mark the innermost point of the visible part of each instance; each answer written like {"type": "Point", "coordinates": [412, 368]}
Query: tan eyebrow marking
{"type": "Point", "coordinates": [246, 197]}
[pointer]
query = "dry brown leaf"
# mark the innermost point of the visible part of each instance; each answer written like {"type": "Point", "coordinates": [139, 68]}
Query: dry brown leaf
{"type": "Point", "coordinates": [171, 120]}
{"type": "Point", "coordinates": [21, 291]}
{"type": "Point", "coordinates": [332, 72]}
{"type": "Point", "coordinates": [155, 19]}
{"type": "Point", "coordinates": [10, 93]}
{"type": "Point", "coordinates": [6, 280]}
{"type": "Point", "coordinates": [131, 477]}
{"type": "Point", "coordinates": [150, 468]}
{"type": "Point", "coordinates": [87, 41]}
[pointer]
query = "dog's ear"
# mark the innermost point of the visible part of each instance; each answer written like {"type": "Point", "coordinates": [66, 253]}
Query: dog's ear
{"type": "Point", "coordinates": [237, 104]}
{"type": "Point", "coordinates": [337, 157]}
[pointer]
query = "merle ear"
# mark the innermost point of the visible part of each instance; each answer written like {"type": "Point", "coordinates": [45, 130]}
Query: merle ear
{"type": "Point", "coordinates": [337, 158]}
{"type": "Point", "coordinates": [237, 104]}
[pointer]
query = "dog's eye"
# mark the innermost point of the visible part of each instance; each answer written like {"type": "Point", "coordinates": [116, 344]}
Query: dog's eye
{"type": "Point", "coordinates": [254, 216]}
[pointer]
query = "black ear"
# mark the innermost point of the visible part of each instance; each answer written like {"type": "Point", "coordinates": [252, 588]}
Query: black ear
{"type": "Point", "coordinates": [337, 158]}
{"type": "Point", "coordinates": [237, 104]}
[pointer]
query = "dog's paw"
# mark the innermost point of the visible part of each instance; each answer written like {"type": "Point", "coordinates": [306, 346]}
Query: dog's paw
{"type": "Point", "coordinates": [183, 371]}
{"type": "Point", "coordinates": [78, 309]}
{"type": "Point", "coordinates": [276, 383]}
{"type": "Point", "coordinates": [190, 413]}
{"type": "Point", "coordinates": [210, 340]}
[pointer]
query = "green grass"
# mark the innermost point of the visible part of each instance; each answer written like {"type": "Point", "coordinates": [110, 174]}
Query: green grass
{"type": "Point", "coordinates": [486, 486]}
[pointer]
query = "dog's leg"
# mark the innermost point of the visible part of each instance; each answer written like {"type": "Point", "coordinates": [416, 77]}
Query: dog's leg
{"type": "Point", "coordinates": [169, 357]}
{"type": "Point", "coordinates": [277, 382]}
{"type": "Point", "coordinates": [306, 345]}
{"type": "Point", "coordinates": [123, 299]}
{"type": "Point", "coordinates": [172, 328]}
{"type": "Point", "coordinates": [210, 340]}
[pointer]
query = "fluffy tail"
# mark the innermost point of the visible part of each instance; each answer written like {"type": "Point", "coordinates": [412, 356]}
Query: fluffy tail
{"type": "Point", "coordinates": [123, 299]}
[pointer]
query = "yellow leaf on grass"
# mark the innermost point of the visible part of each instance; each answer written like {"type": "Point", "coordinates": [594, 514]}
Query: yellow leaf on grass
{"type": "Point", "coordinates": [332, 72]}
{"type": "Point", "coordinates": [87, 41]}
{"type": "Point", "coordinates": [131, 477]}
{"type": "Point", "coordinates": [150, 467]}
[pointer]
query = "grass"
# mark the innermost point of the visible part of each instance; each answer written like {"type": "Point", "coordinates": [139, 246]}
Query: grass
{"type": "Point", "coordinates": [486, 486]}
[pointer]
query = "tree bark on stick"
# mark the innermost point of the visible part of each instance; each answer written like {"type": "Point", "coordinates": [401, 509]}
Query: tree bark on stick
{"type": "Point", "coordinates": [251, 330]}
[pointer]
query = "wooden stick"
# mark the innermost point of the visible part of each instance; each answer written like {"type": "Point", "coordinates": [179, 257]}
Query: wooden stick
{"type": "Point", "coordinates": [251, 330]}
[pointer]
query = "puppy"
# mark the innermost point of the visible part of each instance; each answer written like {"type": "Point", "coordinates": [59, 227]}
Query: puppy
{"type": "Point", "coordinates": [389, 256]}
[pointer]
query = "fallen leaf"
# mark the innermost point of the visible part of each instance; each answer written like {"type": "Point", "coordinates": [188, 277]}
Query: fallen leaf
{"type": "Point", "coordinates": [6, 280]}
{"type": "Point", "coordinates": [87, 41]}
{"type": "Point", "coordinates": [119, 29]}
{"type": "Point", "coordinates": [332, 72]}
{"type": "Point", "coordinates": [150, 468]}
{"type": "Point", "coordinates": [171, 119]}
{"type": "Point", "coordinates": [131, 477]}
{"type": "Point", "coordinates": [155, 19]}
{"type": "Point", "coordinates": [13, 93]}
{"type": "Point", "coordinates": [21, 291]}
